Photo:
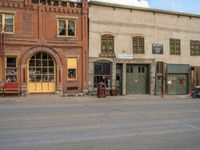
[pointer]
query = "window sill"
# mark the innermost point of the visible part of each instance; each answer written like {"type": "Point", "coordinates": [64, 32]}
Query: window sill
{"type": "Point", "coordinates": [70, 80]}
{"type": "Point", "coordinates": [109, 55]}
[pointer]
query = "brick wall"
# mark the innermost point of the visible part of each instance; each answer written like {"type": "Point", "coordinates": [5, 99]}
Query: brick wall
{"type": "Point", "coordinates": [36, 25]}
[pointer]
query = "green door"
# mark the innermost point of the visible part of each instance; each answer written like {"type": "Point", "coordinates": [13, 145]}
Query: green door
{"type": "Point", "coordinates": [177, 84]}
{"type": "Point", "coordinates": [178, 79]}
{"type": "Point", "coordinates": [137, 79]}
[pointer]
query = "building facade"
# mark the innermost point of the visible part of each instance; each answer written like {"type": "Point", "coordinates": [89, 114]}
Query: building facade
{"type": "Point", "coordinates": [44, 45]}
{"type": "Point", "coordinates": [143, 51]}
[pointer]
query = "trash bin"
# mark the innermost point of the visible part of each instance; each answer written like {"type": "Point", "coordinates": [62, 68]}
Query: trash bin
{"type": "Point", "coordinates": [101, 90]}
{"type": "Point", "coordinates": [113, 92]}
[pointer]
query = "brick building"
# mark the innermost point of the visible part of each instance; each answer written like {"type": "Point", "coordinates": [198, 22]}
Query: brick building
{"type": "Point", "coordinates": [44, 45]}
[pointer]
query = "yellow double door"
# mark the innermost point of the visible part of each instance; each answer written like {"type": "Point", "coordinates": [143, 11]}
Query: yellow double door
{"type": "Point", "coordinates": [41, 71]}
{"type": "Point", "coordinates": [41, 87]}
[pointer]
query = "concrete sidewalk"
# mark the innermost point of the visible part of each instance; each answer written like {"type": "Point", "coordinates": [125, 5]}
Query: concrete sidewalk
{"type": "Point", "coordinates": [58, 99]}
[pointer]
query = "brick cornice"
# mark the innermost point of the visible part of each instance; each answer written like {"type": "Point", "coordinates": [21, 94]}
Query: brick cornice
{"type": "Point", "coordinates": [64, 10]}
{"type": "Point", "coordinates": [43, 8]}
{"type": "Point", "coordinates": [12, 5]}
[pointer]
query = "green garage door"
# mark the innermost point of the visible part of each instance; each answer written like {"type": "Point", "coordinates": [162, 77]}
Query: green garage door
{"type": "Point", "coordinates": [178, 79]}
{"type": "Point", "coordinates": [137, 79]}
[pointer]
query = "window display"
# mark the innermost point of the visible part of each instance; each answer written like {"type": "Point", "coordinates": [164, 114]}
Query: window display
{"type": "Point", "coordinates": [41, 68]}
{"type": "Point", "coordinates": [11, 75]}
{"type": "Point", "coordinates": [11, 71]}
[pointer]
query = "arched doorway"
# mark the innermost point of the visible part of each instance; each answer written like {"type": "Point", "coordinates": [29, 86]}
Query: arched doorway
{"type": "Point", "coordinates": [41, 73]}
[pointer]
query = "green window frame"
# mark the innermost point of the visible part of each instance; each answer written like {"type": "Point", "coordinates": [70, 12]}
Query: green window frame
{"type": "Point", "coordinates": [67, 27]}
{"type": "Point", "coordinates": [175, 46]}
{"type": "Point", "coordinates": [107, 44]}
{"type": "Point", "coordinates": [7, 23]}
{"type": "Point", "coordinates": [138, 45]}
{"type": "Point", "coordinates": [194, 48]}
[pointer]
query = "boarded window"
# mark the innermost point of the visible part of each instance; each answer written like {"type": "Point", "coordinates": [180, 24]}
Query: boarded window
{"type": "Point", "coordinates": [27, 25]}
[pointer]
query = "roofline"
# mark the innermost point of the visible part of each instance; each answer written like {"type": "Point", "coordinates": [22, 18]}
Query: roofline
{"type": "Point", "coordinates": [91, 2]}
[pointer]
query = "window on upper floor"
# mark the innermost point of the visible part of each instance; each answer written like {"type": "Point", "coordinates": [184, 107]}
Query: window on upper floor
{"type": "Point", "coordinates": [107, 44]}
{"type": "Point", "coordinates": [138, 45]}
{"type": "Point", "coordinates": [194, 48]}
{"type": "Point", "coordinates": [175, 46]}
{"type": "Point", "coordinates": [7, 23]}
{"type": "Point", "coordinates": [66, 27]}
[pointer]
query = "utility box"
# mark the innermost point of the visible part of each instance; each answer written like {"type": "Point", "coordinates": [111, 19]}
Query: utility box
{"type": "Point", "coordinates": [101, 90]}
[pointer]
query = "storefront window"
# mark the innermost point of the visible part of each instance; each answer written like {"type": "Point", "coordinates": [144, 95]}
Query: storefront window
{"type": "Point", "coordinates": [41, 68]}
{"type": "Point", "coordinates": [11, 71]}
{"type": "Point", "coordinates": [72, 68]}
{"type": "Point", "coordinates": [102, 73]}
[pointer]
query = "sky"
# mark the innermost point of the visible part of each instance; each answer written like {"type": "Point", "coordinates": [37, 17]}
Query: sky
{"type": "Point", "coordinates": [186, 6]}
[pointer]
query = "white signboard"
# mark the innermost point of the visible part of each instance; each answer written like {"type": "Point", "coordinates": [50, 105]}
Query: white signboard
{"type": "Point", "coordinates": [169, 82]}
{"type": "Point", "coordinates": [125, 56]}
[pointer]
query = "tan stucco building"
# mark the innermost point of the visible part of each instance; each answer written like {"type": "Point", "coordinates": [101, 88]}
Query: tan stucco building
{"type": "Point", "coordinates": [143, 51]}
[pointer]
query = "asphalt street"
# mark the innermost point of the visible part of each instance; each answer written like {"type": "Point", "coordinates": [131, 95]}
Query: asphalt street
{"type": "Point", "coordinates": [59, 123]}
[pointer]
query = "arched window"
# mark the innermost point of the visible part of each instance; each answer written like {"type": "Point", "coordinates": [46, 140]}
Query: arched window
{"type": "Point", "coordinates": [41, 68]}
{"type": "Point", "coordinates": [138, 45]}
{"type": "Point", "coordinates": [107, 45]}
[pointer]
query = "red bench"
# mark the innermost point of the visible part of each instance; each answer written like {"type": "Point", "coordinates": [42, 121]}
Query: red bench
{"type": "Point", "coordinates": [11, 88]}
